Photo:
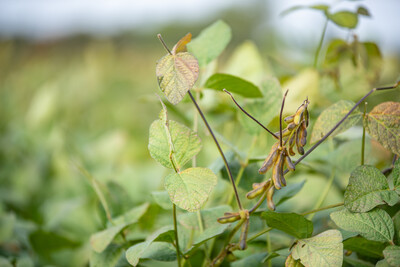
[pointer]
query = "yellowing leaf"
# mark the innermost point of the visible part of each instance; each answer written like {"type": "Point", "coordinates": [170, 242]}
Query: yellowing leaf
{"type": "Point", "coordinates": [325, 249]}
{"type": "Point", "coordinates": [177, 73]}
{"type": "Point", "coordinates": [181, 44]}
{"type": "Point", "coordinates": [190, 188]}
{"type": "Point", "coordinates": [383, 124]}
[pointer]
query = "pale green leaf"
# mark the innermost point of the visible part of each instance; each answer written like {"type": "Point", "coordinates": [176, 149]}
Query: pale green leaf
{"type": "Point", "coordinates": [233, 84]}
{"type": "Point", "coordinates": [392, 255]}
{"type": "Point", "coordinates": [211, 42]}
{"type": "Point", "coordinates": [331, 116]}
{"type": "Point", "coordinates": [254, 260]}
{"type": "Point", "coordinates": [176, 75]}
{"type": "Point", "coordinates": [290, 223]}
{"type": "Point", "coordinates": [344, 19]}
{"type": "Point", "coordinates": [131, 216]}
{"type": "Point", "coordinates": [136, 252]}
{"type": "Point", "coordinates": [160, 251]}
{"type": "Point", "coordinates": [382, 263]}
{"type": "Point", "coordinates": [374, 225]}
{"type": "Point", "coordinates": [189, 189]}
{"type": "Point", "coordinates": [162, 199]}
{"type": "Point", "coordinates": [264, 109]}
{"type": "Point", "coordinates": [108, 258]}
{"type": "Point", "coordinates": [383, 124]}
{"type": "Point", "coordinates": [186, 143]}
{"type": "Point", "coordinates": [368, 188]}
{"type": "Point", "coordinates": [325, 249]}
{"type": "Point", "coordinates": [211, 227]}
{"type": "Point", "coordinates": [369, 248]}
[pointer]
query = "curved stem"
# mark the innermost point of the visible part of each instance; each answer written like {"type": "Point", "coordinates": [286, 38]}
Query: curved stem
{"type": "Point", "coordinates": [178, 253]}
{"type": "Point", "coordinates": [321, 41]}
{"type": "Point", "coordinates": [323, 208]}
{"type": "Point", "coordinates": [248, 115]}
{"type": "Point", "coordinates": [219, 149]}
{"type": "Point", "coordinates": [280, 118]}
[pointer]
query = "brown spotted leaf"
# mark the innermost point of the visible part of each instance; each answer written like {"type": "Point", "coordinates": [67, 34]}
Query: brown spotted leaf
{"type": "Point", "coordinates": [383, 124]}
{"type": "Point", "coordinates": [177, 72]}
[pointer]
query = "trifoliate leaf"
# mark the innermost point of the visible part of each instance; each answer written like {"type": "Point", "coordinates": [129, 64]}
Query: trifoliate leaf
{"type": "Point", "coordinates": [211, 42]}
{"type": "Point", "coordinates": [374, 225]}
{"type": "Point", "coordinates": [189, 189]}
{"type": "Point", "coordinates": [331, 116]}
{"type": "Point", "coordinates": [383, 124]}
{"type": "Point", "coordinates": [290, 223]}
{"type": "Point", "coordinates": [368, 188]}
{"type": "Point", "coordinates": [325, 249]}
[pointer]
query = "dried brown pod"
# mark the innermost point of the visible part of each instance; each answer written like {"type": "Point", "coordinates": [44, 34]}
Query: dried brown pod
{"type": "Point", "coordinates": [270, 202]}
{"type": "Point", "coordinates": [277, 170]}
{"type": "Point", "coordinates": [269, 161]}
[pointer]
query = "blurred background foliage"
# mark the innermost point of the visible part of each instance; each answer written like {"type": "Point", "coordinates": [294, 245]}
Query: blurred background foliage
{"type": "Point", "coordinates": [88, 101]}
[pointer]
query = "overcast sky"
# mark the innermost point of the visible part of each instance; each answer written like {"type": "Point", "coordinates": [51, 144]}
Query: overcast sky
{"type": "Point", "coordinates": [41, 19]}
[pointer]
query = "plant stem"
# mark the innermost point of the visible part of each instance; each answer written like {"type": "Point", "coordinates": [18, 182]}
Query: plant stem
{"type": "Point", "coordinates": [248, 115]}
{"type": "Point", "coordinates": [269, 248]}
{"type": "Point", "coordinates": [280, 119]}
{"type": "Point", "coordinates": [320, 44]}
{"type": "Point", "coordinates": [259, 234]}
{"type": "Point", "coordinates": [178, 253]}
{"type": "Point", "coordinates": [219, 149]}
{"type": "Point", "coordinates": [163, 43]}
{"type": "Point", "coordinates": [324, 194]}
{"type": "Point", "coordinates": [323, 208]}
{"type": "Point", "coordinates": [363, 135]}
{"type": "Point", "coordinates": [341, 121]}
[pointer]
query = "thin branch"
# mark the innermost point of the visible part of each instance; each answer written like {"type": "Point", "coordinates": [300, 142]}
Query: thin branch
{"type": "Point", "coordinates": [163, 43]}
{"type": "Point", "coordinates": [363, 135]}
{"type": "Point", "coordinates": [320, 44]}
{"type": "Point", "coordinates": [323, 208]}
{"type": "Point", "coordinates": [219, 149]}
{"type": "Point", "coordinates": [248, 115]}
{"type": "Point", "coordinates": [280, 118]}
{"type": "Point", "coordinates": [178, 253]}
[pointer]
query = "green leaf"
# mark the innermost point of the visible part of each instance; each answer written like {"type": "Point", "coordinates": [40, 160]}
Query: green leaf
{"type": "Point", "coordinates": [290, 223]}
{"type": "Point", "coordinates": [108, 258]}
{"type": "Point", "coordinates": [160, 251]}
{"type": "Point", "coordinates": [331, 116]}
{"type": "Point", "coordinates": [372, 249]}
{"type": "Point", "coordinates": [4, 262]}
{"type": "Point", "coordinates": [185, 142]}
{"type": "Point", "coordinates": [325, 249]}
{"type": "Point", "coordinates": [189, 189]}
{"type": "Point", "coordinates": [211, 227]}
{"type": "Point", "coordinates": [363, 11]}
{"type": "Point", "coordinates": [162, 199]}
{"type": "Point", "coordinates": [254, 260]}
{"type": "Point", "coordinates": [374, 225]}
{"type": "Point", "coordinates": [392, 255]}
{"type": "Point", "coordinates": [357, 262]}
{"type": "Point", "coordinates": [396, 223]}
{"type": "Point", "coordinates": [344, 19]}
{"type": "Point", "coordinates": [233, 84]}
{"type": "Point", "coordinates": [368, 188]}
{"type": "Point", "coordinates": [383, 124]}
{"type": "Point", "coordinates": [211, 42]}
{"type": "Point", "coordinates": [100, 240]}
{"type": "Point", "coordinates": [176, 74]}
{"type": "Point", "coordinates": [264, 109]}
{"type": "Point", "coordinates": [287, 192]}
{"type": "Point", "coordinates": [382, 263]}
{"type": "Point", "coordinates": [136, 252]}
{"type": "Point", "coordinates": [323, 8]}
{"type": "Point", "coordinates": [396, 176]}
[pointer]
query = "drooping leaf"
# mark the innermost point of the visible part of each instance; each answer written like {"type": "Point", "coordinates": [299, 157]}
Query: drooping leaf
{"type": "Point", "coordinates": [344, 19]}
{"type": "Point", "coordinates": [211, 42]}
{"type": "Point", "coordinates": [325, 249]}
{"type": "Point", "coordinates": [177, 72]}
{"type": "Point", "coordinates": [290, 223]}
{"type": "Point", "coordinates": [396, 176]}
{"type": "Point", "coordinates": [190, 188]}
{"type": "Point", "coordinates": [372, 249]}
{"type": "Point", "coordinates": [383, 124]}
{"type": "Point", "coordinates": [253, 260]}
{"type": "Point", "coordinates": [233, 84]}
{"type": "Point", "coordinates": [211, 227]}
{"type": "Point", "coordinates": [162, 199]}
{"type": "Point", "coordinates": [392, 255]}
{"type": "Point", "coordinates": [287, 192]}
{"type": "Point", "coordinates": [374, 225]}
{"type": "Point", "coordinates": [108, 258]}
{"type": "Point", "coordinates": [331, 116]}
{"type": "Point", "coordinates": [100, 240]}
{"type": "Point", "coordinates": [135, 252]}
{"type": "Point", "coordinates": [185, 142]}
{"type": "Point", "coordinates": [264, 109]}
{"type": "Point", "coordinates": [368, 188]}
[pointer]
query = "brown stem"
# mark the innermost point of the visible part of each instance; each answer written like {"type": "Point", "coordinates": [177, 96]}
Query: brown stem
{"type": "Point", "coordinates": [163, 43]}
{"type": "Point", "coordinates": [280, 118]}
